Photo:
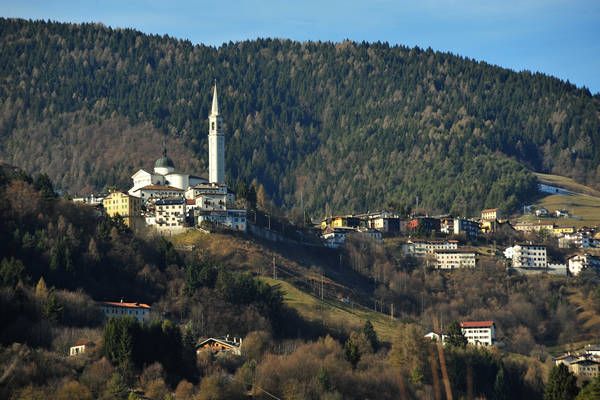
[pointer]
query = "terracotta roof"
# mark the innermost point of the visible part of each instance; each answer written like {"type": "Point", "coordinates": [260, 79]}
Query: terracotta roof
{"type": "Point", "coordinates": [490, 210]}
{"type": "Point", "coordinates": [191, 202]}
{"type": "Point", "coordinates": [83, 343]}
{"type": "Point", "coordinates": [463, 250]}
{"type": "Point", "coordinates": [123, 304]}
{"type": "Point", "coordinates": [476, 324]}
{"type": "Point", "coordinates": [159, 187]}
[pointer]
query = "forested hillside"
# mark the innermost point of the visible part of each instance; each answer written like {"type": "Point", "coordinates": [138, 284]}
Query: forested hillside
{"type": "Point", "coordinates": [346, 126]}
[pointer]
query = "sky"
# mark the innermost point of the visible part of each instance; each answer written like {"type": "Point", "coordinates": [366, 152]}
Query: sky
{"type": "Point", "coordinates": [555, 37]}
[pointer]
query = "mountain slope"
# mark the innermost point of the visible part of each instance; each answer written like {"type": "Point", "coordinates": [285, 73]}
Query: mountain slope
{"type": "Point", "coordinates": [345, 126]}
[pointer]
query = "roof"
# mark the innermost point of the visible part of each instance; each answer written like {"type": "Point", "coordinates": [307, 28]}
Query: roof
{"type": "Point", "coordinates": [190, 202]}
{"type": "Point", "coordinates": [221, 341]}
{"type": "Point", "coordinates": [490, 210]}
{"type": "Point", "coordinates": [452, 251]}
{"type": "Point", "coordinates": [126, 305]}
{"type": "Point", "coordinates": [476, 324]}
{"type": "Point", "coordinates": [164, 202]}
{"type": "Point", "coordinates": [83, 343]}
{"type": "Point", "coordinates": [164, 161]}
{"type": "Point", "coordinates": [160, 187]}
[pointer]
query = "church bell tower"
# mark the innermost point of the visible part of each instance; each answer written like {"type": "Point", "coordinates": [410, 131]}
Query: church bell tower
{"type": "Point", "coordinates": [216, 143]}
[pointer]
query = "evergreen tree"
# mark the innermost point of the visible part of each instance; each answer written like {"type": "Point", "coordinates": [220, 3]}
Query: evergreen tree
{"type": "Point", "coordinates": [455, 336]}
{"type": "Point", "coordinates": [370, 335]}
{"type": "Point", "coordinates": [561, 385]}
{"type": "Point", "coordinates": [352, 353]}
{"type": "Point", "coordinates": [53, 309]}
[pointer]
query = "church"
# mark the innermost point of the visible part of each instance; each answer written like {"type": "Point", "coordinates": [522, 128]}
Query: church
{"type": "Point", "coordinates": [202, 200]}
{"type": "Point", "coordinates": [164, 177]}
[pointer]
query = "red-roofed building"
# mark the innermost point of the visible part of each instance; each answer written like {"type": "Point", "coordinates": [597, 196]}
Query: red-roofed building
{"type": "Point", "coordinates": [479, 333]}
{"type": "Point", "coordinates": [120, 309]}
{"type": "Point", "coordinates": [80, 347]}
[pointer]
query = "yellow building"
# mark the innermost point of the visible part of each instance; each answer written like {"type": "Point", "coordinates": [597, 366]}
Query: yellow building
{"type": "Point", "coordinates": [561, 230]}
{"type": "Point", "coordinates": [491, 214]}
{"type": "Point", "coordinates": [128, 207]}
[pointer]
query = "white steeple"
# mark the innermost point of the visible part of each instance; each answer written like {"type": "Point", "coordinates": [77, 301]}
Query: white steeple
{"type": "Point", "coordinates": [216, 143]}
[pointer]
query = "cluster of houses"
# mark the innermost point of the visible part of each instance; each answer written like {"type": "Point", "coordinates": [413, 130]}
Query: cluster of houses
{"type": "Point", "coordinates": [584, 363]}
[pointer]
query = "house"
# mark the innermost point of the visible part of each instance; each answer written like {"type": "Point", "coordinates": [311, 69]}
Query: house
{"type": "Point", "coordinates": [491, 214]}
{"type": "Point", "coordinates": [455, 258]}
{"type": "Point", "coordinates": [140, 311]}
{"type": "Point", "coordinates": [127, 206]}
{"type": "Point", "coordinates": [420, 247]}
{"type": "Point", "coordinates": [528, 256]}
{"type": "Point", "coordinates": [346, 221]}
{"type": "Point", "coordinates": [561, 213]}
{"type": "Point", "coordinates": [81, 347]}
{"type": "Point", "coordinates": [233, 219]}
{"type": "Point", "coordinates": [149, 192]}
{"type": "Point", "coordinates": [221, 345]}
{"type": "Point", "coordinates": [170, 213]}
{"type": "Point", "coordinates": [593, 350]}
{"type": "Point", "coordinates": [427, 224]}
{"type": "Point", "coordinates": [585, 369]}
{"type": "Point", "coordinates": [578, 263]}
{"type": "Point", "coordinates": [579, 240]}
{"type": "Point", "coordinates": [436, 336]}
{"type": "Point", "coordinates": [561, 230]}
{"type": "Point", "coordinates": [384, 223]}
{"type": "Point", "coordinates": [479, 333]}
{"type": "Point", "coordinates": [534, 226]}
{"type": "Point", "coordinates": [541, 212]}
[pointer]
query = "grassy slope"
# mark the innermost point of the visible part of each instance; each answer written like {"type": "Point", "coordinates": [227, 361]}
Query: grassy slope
{"type": "Point", "coordinates": [333, 313]}
{"type": "Point", "coordinates": [300, 268]}
{"type": "Point", "coordinates": [586, 206]}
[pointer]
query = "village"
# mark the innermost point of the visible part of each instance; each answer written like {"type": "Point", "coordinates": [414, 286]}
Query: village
{"type": "Point", "coordinates": [171, 202]}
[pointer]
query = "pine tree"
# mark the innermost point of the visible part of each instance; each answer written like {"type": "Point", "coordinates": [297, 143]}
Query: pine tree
{"type": "Point", "coordinates": [562, 384]}
{"type": "Point", "coordinates": [455, 336]}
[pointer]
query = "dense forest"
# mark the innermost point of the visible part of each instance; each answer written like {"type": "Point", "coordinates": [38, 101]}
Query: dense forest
{"type": "Point", "coordinates": [344, 127]}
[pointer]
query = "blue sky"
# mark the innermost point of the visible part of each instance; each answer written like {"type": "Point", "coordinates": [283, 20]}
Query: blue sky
{"type": "Point", "coordinates": [559, 38]}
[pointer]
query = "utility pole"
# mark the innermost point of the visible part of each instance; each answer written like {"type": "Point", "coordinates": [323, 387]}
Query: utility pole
{"type": "Point", "coordinates": [321, 285]}
{"type": "Point", "coordinates": [274, 269]}
{"type": "Point", "coordinates": [392, 312]}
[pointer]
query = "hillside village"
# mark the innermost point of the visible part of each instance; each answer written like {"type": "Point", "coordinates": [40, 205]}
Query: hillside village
{"type": "Point", "coordinates": [171, 202]}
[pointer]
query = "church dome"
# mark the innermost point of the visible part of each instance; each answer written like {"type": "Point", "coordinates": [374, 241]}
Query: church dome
{"type": "Point", "coordinates": [164, 162]}
{"type": "Point", "coordinates": [164, 165]}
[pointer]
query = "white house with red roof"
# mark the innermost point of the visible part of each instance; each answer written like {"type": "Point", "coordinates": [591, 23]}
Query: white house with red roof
{"type": "Point", "coordinates": [120, 309]}
{"type": "Point", "coordinates": [81, 347]}
{"type": "Point", "coordinates": [479, 333]}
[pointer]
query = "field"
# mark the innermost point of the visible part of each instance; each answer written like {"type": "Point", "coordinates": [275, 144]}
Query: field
{"type": "Point", "coordinates": [335, 314]}
{"type": "Point", "coordinates": [566, 183]}
{"type": "Point", "coordinates": [584, 208]}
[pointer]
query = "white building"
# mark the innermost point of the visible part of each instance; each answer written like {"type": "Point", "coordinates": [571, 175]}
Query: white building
{"type": "Point", "coordinates": [234, 219]}
{"type": "Point", "coordinates": [455, 258]}
{"type": "Point", "coordinates": [153, 192]}
{"type": "Point", "coordinates": [420, 248]}
{"type": "Point", "coordinates": [81, 347]}
{"type": "Point", "coordinates": [120, 309]}
{"type": "Point", "coordinates": [528, 256]}
{"type": "Point", "coordinates": [170, 213]}
{"type": "Point", "coordinates": [164, 175]}
{"type": "Point", "coordinates": [479, 333]}
{"type": "Point", "coordinates": [578, 263]}
{"type": "Point", "coordinates": [577, 240]}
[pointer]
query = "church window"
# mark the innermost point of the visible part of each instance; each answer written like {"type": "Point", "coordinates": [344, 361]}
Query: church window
{"type": "Point", "coordinates": [213, 126]}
